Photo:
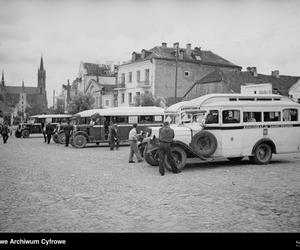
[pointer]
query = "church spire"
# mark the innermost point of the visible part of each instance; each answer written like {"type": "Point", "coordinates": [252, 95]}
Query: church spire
{"type": "Point", "coordinates": [2, 78]}
{"type": "Point", "coordinates": [42, 64]}
{"type": "Point", "coordinates": [23, 84]}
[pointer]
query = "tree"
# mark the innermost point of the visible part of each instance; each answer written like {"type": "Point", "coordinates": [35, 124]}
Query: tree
{"type": "Point", "coordinates": [81, 102]}
{"type": "Point", "coordinates": [147, 99]}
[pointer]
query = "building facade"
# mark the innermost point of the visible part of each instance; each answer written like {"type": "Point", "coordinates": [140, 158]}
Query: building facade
{"type": "Point", "coordinates": [154, 71]}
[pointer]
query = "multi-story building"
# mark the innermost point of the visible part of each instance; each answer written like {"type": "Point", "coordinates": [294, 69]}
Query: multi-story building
{"type": "Point", "coordinates": [99, 80]}
{"type": "Point", "coordinates": [154, 71]}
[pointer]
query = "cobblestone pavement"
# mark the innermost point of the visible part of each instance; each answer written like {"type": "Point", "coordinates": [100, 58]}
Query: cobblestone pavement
{"type": "Point", "coordinates": [52, 188]}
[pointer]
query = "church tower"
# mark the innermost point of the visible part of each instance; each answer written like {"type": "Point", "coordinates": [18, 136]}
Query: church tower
{"type": "Point", "coordinates": [2, 79]}
{"type": "Point", "coordinates": [41, 78]}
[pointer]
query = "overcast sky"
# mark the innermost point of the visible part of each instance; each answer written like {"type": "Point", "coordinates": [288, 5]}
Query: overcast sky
{"type": "Point", "coordinates": [261, 33]}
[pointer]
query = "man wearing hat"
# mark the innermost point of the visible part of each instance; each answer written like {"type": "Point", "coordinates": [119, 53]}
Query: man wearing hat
{"type": "Point", "coordinates": [166, 135]}
{"type": "Point", "coordinates": [68, 130]}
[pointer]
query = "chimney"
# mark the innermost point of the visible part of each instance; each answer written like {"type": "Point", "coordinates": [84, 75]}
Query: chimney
{"type": "Point", "coordinates": [175, 45]}
{"type": "Point", "coordinates": [275, 73]}
{"type": "Point", "coordinates": [133, 56]}
{"type": "Point", "coordinates": [252, 70]}
{"type": "Point", "coordinates": [188, 50]}
{"type": "Point", "coordinates": [164, 45]}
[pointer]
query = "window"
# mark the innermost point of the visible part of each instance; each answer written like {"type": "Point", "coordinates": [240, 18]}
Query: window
{"type": "Point", "coordinates": [119, 119]}
{"type": "Point", "coordinates": [212, 117]}
{"type": "Point", "coordinates": [130, 77]}
{"type": "Point", "coordinates": [252, 117]}
{"type": "Point", "coordinates": [146, 118]}
{"type": "Point", "coordinates": [107, 103]}
{"type": "Point", "coordinates": [147, 76]}
{"type": "Point", "coordinates": [130, 98]}
{"type": "Point", "coordinates": [186, 73]}
{"type": "Point", "coordinates": [138, 76]}
{"type": "Point", "coordinates": [123, 98]}
{"type": "Point", "coordinates": [138, 93]}
{"type": "Point", "coordinates": [290, 115]}
{"type": "Point", "coordinates": [231, 116]}
{"type": "Point", "coordinates": [272, 116]}
{"type": "Point", "coordinates": [122, 78]}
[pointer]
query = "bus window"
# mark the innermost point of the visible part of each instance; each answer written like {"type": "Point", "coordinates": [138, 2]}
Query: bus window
{"type": "Point", "coordinates": [146, 119]}
{"type": "Point", "coordinates": [290, 115]}
{"type": "Point", "coordinates": [272, 116]}
{"type": "Point", "coordinates": [252, 117]}
{"type": "Point", "coordinates": [212, 117]}
{"type": "Point", "coordinates": [231, 116]}
{"type": "Point", "coordinates": [120, 119]}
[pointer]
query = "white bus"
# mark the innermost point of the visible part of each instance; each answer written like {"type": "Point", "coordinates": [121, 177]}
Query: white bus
{"type": "Point", "coordinates": [234, 126]}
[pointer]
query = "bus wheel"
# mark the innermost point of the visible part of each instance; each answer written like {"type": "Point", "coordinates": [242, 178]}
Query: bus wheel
{"type": "Point", "coordinates": [61, 138]}
{"type": "Point", "coordinates": [179, 156]}
{"type": "Point", "coordinates": [204, 143]}
{"type": "Point", "coordinates": [25, 133]}
{"type": "Point", "coordinates": [79, 141]}
{"type": "Point", "coordinates": [152, 158]}
{"type": "Point", "coordinates": [55, 138]}
{"type": "Point", "coordinates": [262, 154]}
{"type": "Point", "coordinates": [18, 134]}
{"type": "Point", "coordinates": [235, 159]}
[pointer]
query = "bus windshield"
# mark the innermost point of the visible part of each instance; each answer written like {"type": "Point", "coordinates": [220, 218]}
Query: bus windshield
{"type": "Point", "coordinates": [192, 116]}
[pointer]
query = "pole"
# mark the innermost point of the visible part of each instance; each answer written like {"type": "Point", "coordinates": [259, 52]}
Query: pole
{"type": "Point", "coordinates": [176, 69]}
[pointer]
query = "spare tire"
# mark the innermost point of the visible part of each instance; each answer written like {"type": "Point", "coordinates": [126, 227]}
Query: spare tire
{"type": "Point", "coordinates": [152, 157]}
{"type": "Point", "coordinates": [204, 143]}
{"type": "Point", "coordinates": [55, 138]}
{"type": "Point", "coordinates": [179, 156]}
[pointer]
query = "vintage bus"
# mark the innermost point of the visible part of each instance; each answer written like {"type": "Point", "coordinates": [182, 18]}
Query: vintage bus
{"type": "Point", "coordinates": [235, 126]}
{"type": "Point", "coordinates": [36, 122]}
{"type": "Point", "coordinates": [92, 126]}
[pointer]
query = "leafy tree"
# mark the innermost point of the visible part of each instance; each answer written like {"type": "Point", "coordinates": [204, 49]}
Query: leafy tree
{"type": "Point", "coordinates": [81, 102]}
{"type": "Point", "coordinates": [147, 99]}
{"type": "Point", "coordinates": [35, 109]}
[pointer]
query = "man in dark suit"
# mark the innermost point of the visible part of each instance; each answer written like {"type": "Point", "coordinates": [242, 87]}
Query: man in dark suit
{"type": "Point", "coordinates": [68, 130]}
{"type": "Point", "coordinates": [49, 132]}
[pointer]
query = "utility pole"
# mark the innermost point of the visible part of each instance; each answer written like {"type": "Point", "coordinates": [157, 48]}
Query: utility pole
{"type": "Point", "coordinates": [176, 45]}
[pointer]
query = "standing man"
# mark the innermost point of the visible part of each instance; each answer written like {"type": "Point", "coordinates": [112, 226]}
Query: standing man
{"type": "Point", "coordinates": [133, 145]}
{"type": "Point", "coordinates": [44, 131]}
{"type": "Point", "coordinates": [49, 132]}
{"type": "Point", "coordinates": [113, 137]}
{"type": "Point", "coordinates": [5, 132]}
{"type": "Point", "coordinates": [68, 130]}
{"type": "Point", "coordinates": [166, 135]}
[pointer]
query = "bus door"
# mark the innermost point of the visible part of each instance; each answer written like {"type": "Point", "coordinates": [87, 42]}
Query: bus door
{"type": "Point", "coordinates": [95, 132]}
{"type": "Point", "coordinates": [231, 133]}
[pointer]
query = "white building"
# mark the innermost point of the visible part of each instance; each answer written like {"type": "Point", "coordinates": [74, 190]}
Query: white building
{"type": "Point", "coordinates": [294, 92]}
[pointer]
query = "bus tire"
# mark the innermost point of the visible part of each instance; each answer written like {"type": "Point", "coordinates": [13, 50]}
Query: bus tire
{"type": "Point", "coordinates": [18, 134]}
{"type": "Point", "coordinates": [61, 138]}
{"type": "Point", "coordinates": [55, 138]}
{"type": "Point", "coordinates": [262, 154]}
{"type": "Point", "coordinates": [79, 141]}
{"type": "Point", "coordinates": [179, 156]}
{"type": "Point", "coordinates": [152, 158]}
{"type": "Point", "coordinates": [204, 143]}
{"type": "Point", "coordinates": [25, 133]}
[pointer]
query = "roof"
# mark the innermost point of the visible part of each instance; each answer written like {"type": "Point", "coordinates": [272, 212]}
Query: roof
{"type": "Point", "coordinates": [122, 111]}
{"type": "Point", "coordinates": [282, 84]}
{"type": "Point", "coordinates": [18, 90]}
{"type": "Point", "coordinates": [95, 69]}
{"type": "Point", "coordinates": [175, 107]}
{"type": "Point", "coordinates": [52, 116]}
{"type": "Point", "coordinates": [197, 55]}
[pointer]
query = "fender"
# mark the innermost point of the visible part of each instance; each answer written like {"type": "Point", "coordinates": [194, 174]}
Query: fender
{"type": "Point", "coordinates": [188, 149]}
{"type": "Point", "coordinates": [267, 140]}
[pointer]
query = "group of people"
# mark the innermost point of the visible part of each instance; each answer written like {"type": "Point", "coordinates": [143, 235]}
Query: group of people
{"type": "Point", "coordinates": [166, 136]}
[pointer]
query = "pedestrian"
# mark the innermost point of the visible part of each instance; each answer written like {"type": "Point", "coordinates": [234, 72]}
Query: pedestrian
{"type": "Point", "coordinates": [113, 137]}
{"type": "Point", "coordinates": [5, 132]}
{"type": "Point", "coordinates": [166, 135]}
{"type": "Point", "coordinates": [49, 132]}
{"type": "Point", "coordinates": [133, 138]}
{"type": "Point", "coordinates": [44, 131]}
{"type": "Point", "coordinates": [68, 129]}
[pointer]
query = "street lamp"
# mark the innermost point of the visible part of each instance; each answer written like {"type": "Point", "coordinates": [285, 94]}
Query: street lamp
{"type": "Point", "coordinates": [176, 46]}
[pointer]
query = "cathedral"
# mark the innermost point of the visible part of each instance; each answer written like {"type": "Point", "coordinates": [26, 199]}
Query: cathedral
{"type": "Point", "coordinates": [23, 98]}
